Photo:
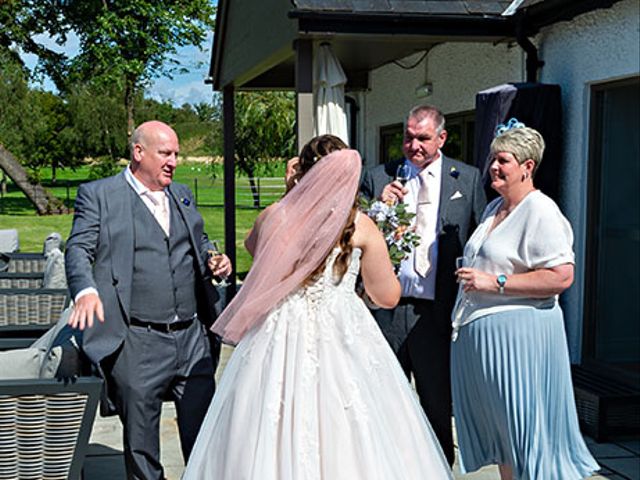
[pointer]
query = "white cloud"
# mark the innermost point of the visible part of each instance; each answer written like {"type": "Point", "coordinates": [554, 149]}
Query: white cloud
{"type": "Point", "coordinates": [188, 87]}
{"type": "Point", "coordinates": [181, 90]}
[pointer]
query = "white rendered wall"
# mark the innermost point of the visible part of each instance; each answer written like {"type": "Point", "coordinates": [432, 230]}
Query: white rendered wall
{"type": "Point", "coordinates": [596, 47]}
{"type": "Point", "coordinates": [457, 72]}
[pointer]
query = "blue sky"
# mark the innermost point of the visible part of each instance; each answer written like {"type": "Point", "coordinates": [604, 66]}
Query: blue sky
{"type": "Point", "coordinates": [181, 89]}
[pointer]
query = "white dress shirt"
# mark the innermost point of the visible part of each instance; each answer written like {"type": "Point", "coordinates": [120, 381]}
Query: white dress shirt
{"type": "Point", "coordinates": [413, 284]}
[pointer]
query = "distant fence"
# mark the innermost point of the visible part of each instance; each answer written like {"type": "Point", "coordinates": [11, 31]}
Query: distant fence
{"type": "Point", "coordinates": [64, 191]}
{"type": "Point", "coordinates": [207, 193]}
{"type": "Point", "coordinates": [258, 192]}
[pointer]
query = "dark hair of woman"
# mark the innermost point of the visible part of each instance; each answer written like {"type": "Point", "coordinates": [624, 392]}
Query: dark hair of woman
{"type": "Point", "coordinates": [313, 151]}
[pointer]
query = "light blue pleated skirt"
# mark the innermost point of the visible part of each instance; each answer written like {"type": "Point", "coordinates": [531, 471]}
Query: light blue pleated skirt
{"type": "Point", "coordinates": [513, 398]}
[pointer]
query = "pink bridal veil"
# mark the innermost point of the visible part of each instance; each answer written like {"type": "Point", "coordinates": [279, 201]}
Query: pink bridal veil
{"type": "Point", "coordinates": [291, 238]}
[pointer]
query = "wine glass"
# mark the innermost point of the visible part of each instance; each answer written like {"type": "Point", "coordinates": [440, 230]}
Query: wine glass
{"type": "Point", "coordinates": [218, 280]}
{"type": "Point", "coordinates": [462, 262]}
{"type": "Point", "coordinates": [403, 174]}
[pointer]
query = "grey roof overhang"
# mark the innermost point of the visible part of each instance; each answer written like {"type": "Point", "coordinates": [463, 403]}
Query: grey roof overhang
{"type": "Point", "coordinates": [320, 19]}
{"type": "Point", "coordinates": [404, 24]}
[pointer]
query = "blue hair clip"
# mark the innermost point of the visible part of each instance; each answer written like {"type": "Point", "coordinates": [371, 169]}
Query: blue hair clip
{"type": "Point", "coordinates": [512, 123]}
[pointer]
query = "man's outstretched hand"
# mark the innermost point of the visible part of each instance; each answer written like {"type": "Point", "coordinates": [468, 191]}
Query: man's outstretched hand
{"type": "Point", "coordinates": [87, 308]}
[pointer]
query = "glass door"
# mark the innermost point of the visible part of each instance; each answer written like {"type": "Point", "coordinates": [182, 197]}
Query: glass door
{"type": "Point", "coordinates": [612, 295]}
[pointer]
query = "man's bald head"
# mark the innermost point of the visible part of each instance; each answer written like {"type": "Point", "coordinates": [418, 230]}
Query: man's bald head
{"type": "Point", "coordinates": [154, 154]}
{"type": "Point", "coordinates": [147, 131]}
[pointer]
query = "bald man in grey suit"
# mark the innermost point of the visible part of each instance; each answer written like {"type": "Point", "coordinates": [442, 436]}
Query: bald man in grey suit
{"type": "Point", "coordinates": [419, 328]}
{"type": "Point", "coordinates": [137, 260]}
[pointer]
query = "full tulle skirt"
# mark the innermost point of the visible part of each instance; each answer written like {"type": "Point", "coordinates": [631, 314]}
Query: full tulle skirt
{"type": "Point", "coordinates": [315, 392]}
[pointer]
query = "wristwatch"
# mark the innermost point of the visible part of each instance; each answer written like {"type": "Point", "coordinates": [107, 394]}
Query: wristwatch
{"type": "Point", "coordinates": [501, 281]}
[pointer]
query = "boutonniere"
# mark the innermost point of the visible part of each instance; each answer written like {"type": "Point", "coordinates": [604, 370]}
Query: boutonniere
{"type": "Point", "coordinates": [185, 201]}
{"type": "Point", "coordinates": [454, 172]}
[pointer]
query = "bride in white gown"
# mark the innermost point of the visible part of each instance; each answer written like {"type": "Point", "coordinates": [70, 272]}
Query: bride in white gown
{"type": "Point", "coordinates": [312, 390]}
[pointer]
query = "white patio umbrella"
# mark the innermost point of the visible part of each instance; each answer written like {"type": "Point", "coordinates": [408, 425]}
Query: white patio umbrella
{"type": "Point", "coordinates": [328, 89]}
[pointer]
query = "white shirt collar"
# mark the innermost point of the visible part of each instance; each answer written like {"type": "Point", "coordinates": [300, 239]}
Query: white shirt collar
{"type": "Point", "coordinates": [434, 169]}
{"type": "Point", "coordinates": [136, 184]}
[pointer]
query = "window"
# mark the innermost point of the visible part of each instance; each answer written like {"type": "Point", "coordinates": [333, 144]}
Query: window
{"type": "Point", "coordinates": [391, 142]}
{"type": "Point", "coordinates": [461, 130]}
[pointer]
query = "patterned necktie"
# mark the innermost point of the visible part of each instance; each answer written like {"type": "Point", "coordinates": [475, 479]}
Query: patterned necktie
{"type": "Point", "coordinates": [422, 252]}
{"type": "Point", "coordinates": [160, 212]}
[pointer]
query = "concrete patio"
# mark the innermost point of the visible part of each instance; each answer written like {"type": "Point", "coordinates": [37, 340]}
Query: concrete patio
{"type": "Point", "coordinates": [619, 460]}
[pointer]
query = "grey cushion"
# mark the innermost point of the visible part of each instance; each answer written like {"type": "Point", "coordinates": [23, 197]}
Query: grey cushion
{"type": "Point", "coordinates": [26, 363]}
{"type": "Point", "coordinates": [53, 240]}
{"type": "Point", "coordinates": [9, 240]}
{"type": "Point", "coordinates": [54, 274]}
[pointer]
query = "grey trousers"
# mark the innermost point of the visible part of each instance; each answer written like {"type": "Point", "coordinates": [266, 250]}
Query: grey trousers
{"type": "Point", "coordinates": [153, 366]}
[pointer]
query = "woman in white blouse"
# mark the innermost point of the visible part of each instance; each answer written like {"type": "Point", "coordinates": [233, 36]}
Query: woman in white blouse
{"type": "Point", "coordinates": [511, 381]}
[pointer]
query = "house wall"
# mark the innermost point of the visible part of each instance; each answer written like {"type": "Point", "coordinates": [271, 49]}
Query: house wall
{"type": "Point", "coordinates": [456, 70]}
{"type": "Point", "coordinates": [595, 47]}
{"type": "Point", "coordinates": [598, 46]}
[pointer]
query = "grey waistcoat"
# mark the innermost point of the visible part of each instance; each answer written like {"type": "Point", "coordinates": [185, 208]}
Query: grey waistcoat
{"type": "Point", "coordinates": [163, 268]}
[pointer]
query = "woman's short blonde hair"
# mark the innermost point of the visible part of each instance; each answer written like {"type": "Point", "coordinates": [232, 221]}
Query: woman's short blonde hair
{"type": "Point", "coordinates": [523, 143]}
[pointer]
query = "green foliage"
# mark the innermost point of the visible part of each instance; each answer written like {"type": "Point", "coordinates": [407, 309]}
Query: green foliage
{"type": "Point", "coordinates": [16, 117]}
{"type": "Point", "coordinates": [97, 120]}
{"type": "Point", "coordinates": [34, 125]}
{"type": "Point", "coordinates": [22, 21]}
{"type": "Point", "coordinates": [127, 43]}
{"type": "Point", "coordinates": [103, 167]}
{"type": "Point", "coordinates": [123, 44]}
{"type": "Point", "coordinates": [123, 39]}
{"type": "Point", "coordinates": [264, 129]}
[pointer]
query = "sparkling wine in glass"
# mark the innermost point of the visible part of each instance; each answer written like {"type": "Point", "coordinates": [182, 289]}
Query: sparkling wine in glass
{"type": "Point", "coordinates": [403, 173]}
{"type": "Point", "coordinates": [218, 280]}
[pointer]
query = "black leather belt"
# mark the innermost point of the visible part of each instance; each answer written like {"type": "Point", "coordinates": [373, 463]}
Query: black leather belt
{"type": "Point", "coordinates": [162, 327]}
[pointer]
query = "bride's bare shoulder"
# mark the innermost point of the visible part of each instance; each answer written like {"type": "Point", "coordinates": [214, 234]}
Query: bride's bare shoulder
{"type": "Point", "coordinates": [365, 229]}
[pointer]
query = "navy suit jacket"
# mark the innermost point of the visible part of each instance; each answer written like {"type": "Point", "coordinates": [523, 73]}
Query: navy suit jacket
{"type": "Point", "coordinates": [457, 217]}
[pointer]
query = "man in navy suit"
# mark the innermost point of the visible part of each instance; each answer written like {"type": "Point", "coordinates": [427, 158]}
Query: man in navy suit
{"type": "Point", "coordinates": [449, 199]}
{"type": "Point", "coordinates": [137, 260]}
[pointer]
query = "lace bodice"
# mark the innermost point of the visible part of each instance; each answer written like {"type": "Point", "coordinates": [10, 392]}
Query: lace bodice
{"type": "Point", "coordinates": [327, 286]}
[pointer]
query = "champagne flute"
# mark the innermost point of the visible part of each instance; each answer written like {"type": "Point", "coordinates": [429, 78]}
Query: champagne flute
{"type": "Point", "coordinates": [403, 174]}
{"type": "Point", "coordinates": [218, 280]}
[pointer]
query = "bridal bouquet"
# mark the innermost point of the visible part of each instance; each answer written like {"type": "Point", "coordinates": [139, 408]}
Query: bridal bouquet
{"type": "Point", "coordinates": [394, 221]}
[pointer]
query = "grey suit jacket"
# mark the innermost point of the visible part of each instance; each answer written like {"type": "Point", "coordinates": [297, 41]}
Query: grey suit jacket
{"type": "Point", "coordinates": [100, 252]}
{"type": "Point", "coordinates": [457, 218]}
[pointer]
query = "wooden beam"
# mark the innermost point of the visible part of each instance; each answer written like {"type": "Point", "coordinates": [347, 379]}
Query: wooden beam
{"type": "Point", "coordinates": [304, 91]}
{"type": "Point", "coordinates": [228, 119]}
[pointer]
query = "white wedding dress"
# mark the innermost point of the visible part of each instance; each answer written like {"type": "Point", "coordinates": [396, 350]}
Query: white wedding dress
{"type": "Point", "coordinates": [315, 392]}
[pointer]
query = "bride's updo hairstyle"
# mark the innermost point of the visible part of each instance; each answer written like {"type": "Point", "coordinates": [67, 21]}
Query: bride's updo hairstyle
{"type": "Point", "coordinates": [311, 153]}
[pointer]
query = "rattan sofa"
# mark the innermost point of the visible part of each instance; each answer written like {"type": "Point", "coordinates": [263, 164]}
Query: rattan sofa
{"type": "Point", "coordinates": [21, 280]}
{"type": "Point", "coordinates": [45, 427]}
{"type": "Point", "coordinates": [25, 314]}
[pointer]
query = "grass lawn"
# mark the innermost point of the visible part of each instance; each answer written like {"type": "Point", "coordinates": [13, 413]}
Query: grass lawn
{"type": "Point", "coordinates": [16, 212]}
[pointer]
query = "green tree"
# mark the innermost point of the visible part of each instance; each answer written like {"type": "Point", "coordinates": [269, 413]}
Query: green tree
{"type": "Point", "coordinates": [33, 124]}
{"type": "Point", "coordinates": [98, 122]}
{"type": "Point", "coordinates": [130, 42]}
{"type": "Point", "coordinates": [264, 129]}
